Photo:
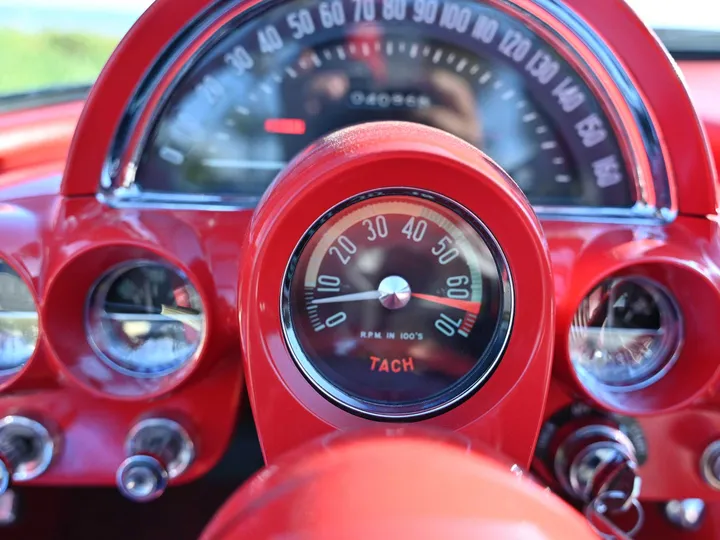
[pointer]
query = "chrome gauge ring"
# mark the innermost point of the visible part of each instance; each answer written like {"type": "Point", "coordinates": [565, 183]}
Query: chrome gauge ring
{"type": "Point", "coordinates": [250, 88]}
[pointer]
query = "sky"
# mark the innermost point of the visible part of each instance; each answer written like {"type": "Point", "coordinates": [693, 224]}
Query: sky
{"type": "Point", "coordinates": [674, 13]}
{"type": "Point", "coordinates": [133, 6]}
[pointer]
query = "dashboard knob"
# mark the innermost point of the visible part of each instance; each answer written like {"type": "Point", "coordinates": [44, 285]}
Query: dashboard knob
{"type": "Point", "coordinates": [26, 450]}
{"type": "Point", "coordinates": [710, 465]}
{"type": "Point", "coordinates": [688, 514]}
{"type": "Point", "coordinates": [158, 450]}
{"type": "Point", "coordinates": [598, 459]}
{"type": "Point", "coordinates": [142, 478]}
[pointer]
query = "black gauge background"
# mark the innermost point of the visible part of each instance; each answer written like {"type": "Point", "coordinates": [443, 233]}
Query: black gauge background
{"type": "Point", "coordinates": [140, 288]}
{"type": "Point", "coordinates": [492, 332]}
{"type": "Point", "coordinates": [155, 174]}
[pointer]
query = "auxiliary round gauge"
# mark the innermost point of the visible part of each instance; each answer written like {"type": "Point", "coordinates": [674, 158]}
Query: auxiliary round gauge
{"type": "Point", "coordinates": [145, 319]}
{"type": "Point", "coordinates": [397, 304]}
{"type": "Point", "coordinates": [625, 335]}
{"type": "Point", "coordinates": [18, 321]}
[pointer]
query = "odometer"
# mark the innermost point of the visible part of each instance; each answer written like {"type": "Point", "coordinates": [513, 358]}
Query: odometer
{"type": "Point", "coordinates": [286, 73]}
{"type": "Point", "coordinates": [397, 304]}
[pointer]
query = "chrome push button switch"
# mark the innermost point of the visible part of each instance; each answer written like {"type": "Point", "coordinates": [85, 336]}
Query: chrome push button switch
{"type": "Point", "coordinates": [142, 478]}
{"type": "Point", "coordinates": [26, 450]}
{"type": "Point", "coordinates": [159, 450]}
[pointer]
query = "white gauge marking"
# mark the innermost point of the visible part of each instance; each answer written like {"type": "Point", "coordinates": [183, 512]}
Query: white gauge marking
{"type": "Point", "coordinates": [548, 145]}
{"type": "Point", "coordinates": [485, 77]}
{"type": "Point", "coordinates": [171, 155]}
{"type": "Point", "coordinates": [244, 164]}
{"type": "Point", "coordinates": [353, 297]}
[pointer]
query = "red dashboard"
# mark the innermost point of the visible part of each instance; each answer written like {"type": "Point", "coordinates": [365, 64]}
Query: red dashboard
{"type": "Point", "coordinates": [67, 223]}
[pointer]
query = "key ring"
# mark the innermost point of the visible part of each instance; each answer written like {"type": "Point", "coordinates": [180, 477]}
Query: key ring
{"type": "Point", "coordinates": [599, 509]}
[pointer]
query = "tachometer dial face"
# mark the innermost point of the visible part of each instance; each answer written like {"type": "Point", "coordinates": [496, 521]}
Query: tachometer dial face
{"type": "Point", "coordinates": [294, 71]}
{"type": "Point", "coordinates": [397, 304]}
{"type": "Point", "coordinates": [145, 319]}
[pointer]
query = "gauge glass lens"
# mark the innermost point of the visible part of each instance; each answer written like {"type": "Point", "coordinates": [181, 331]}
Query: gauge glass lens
{"type": "Point", "coordinates": [397, 305]}
{"type": "Point", "coordinates": [145, 319]}
{"type": "Point", "coordinates": [625, 335]}
{"type": "Point", "coordinates": [19, 328]}
{"type": "Point", "coordinates": [291, 72]}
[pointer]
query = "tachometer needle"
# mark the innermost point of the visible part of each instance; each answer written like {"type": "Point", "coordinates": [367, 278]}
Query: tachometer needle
{"type": "Point", "coordinates": [354, 297]}
{"type": "Point", "coordinates": [465, 305]}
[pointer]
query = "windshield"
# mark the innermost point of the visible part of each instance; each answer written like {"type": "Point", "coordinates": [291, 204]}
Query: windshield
{"type": "Point", "coordinates": [61, 45]}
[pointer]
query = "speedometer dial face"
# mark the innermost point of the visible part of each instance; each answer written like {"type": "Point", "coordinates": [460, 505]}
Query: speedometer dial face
{"type": "Point", "coordinates": [397, 305]}
{"type": "Point", "coordinates": [291, 72]}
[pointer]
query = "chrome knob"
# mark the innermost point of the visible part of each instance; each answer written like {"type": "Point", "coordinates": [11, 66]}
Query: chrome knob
{"type": "Point", "coordinates": [5, 476]}
{"type": "Point", "coordinates": [142, 478]}
{"type": "Point", "coordinates": [688, 514]}
{"type": "Point", "coordinates": [598, 459]}
{"type": "Point", "coordinates": [710, 465]}
{"type": "Point", "coordinates": [26, 450]}
{"type": "Point", "coordinates": [159, 450]}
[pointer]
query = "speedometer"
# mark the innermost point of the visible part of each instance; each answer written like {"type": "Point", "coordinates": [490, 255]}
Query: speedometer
{"type": "Point", "coordinates": [283, 74]}
{"type": "Point", "coordinates": [397, 304]}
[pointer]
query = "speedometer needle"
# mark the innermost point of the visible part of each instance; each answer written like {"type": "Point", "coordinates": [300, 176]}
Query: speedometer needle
{"type": "Point", "coordinates": [354, 297]}
{"type": "Point", "coordinates": [465, 305]}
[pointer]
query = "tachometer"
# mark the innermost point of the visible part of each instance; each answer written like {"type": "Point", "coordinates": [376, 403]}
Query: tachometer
{"type": "Point", "coordinates": [397, 304]}
{"type": "Point", "coordinates": [290, 72]}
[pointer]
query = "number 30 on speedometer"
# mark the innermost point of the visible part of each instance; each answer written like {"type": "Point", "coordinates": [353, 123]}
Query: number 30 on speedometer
{"type": "Point", "coordinates": [397, 303]}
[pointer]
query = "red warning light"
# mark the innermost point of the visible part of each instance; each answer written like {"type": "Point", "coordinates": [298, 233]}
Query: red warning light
{"type": "Point", "coordinates": [285, 126]}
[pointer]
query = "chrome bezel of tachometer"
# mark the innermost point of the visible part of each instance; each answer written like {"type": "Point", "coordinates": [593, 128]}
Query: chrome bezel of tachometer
{"type": "Point", "coordinates": [96, 298]}
{"type": "Point", "coordinates": [572, 37]}
{"type": "Point", "coordinates": [462, 389]}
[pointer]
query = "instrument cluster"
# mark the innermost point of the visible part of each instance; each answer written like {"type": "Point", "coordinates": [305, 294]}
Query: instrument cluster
{"type": "Point", "coordinates": [466, 214]}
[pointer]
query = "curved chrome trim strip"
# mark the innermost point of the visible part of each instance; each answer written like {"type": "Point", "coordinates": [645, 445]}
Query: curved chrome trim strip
{"type": "Point", "coordinates": [649, 168]}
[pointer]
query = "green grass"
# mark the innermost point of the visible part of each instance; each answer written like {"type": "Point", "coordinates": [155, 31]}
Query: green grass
{"type": "Point", "coordinates": [31, 61]}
